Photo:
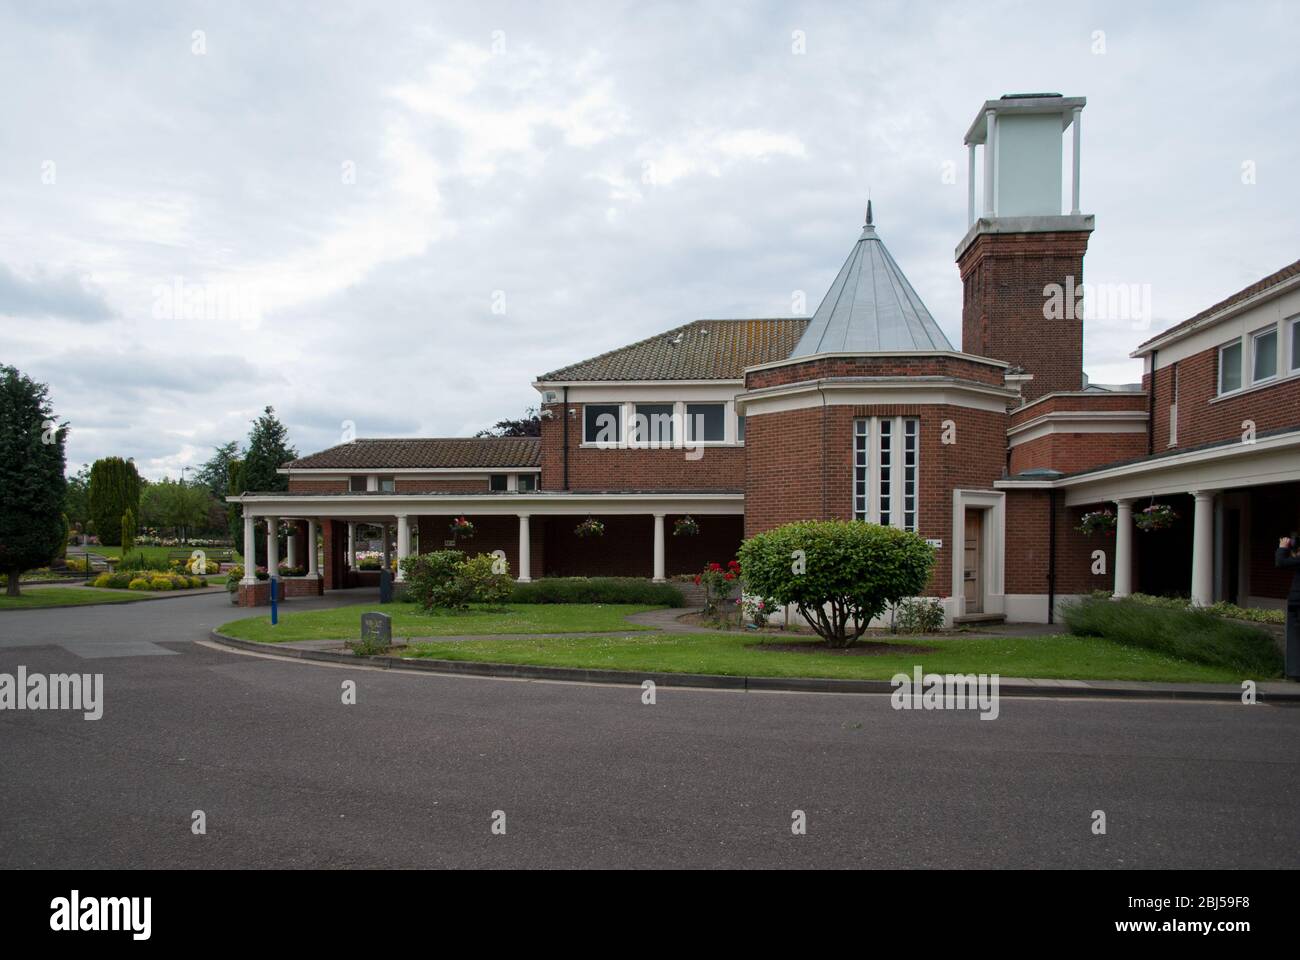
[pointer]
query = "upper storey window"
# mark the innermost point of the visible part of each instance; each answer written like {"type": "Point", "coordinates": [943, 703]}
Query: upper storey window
{"type": "Point", "coordinates": [706, 422]}
{"type": "Point", "coordinates": [602, 423]}
{"type": "Point", "coordinates": [653, 423]}
{"type": "Point", "coordinates": [357, 484]}
{"type": "Point", "coordinates": [1230, 367]}
{"type": "Point", "coordinates": [1263, 355]}
{"type": "Point", "coordinates": [885, 472]}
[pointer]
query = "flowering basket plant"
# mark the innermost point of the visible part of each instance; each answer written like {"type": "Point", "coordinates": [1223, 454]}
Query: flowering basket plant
{"type": "Point", "coordinates": [685, 527]}
{"type": "Point", "coordinates": [1158, 516]}
{"type": "Point", "coordinates": [462, 529]}
{"type": "Point", "coordinates": [591, 527]}
{"type": "Point", "coordinates": [1097, 521]}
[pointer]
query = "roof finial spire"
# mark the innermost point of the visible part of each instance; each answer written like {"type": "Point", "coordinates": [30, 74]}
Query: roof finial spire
{"type": "Point", "coordinates": [868, 211]}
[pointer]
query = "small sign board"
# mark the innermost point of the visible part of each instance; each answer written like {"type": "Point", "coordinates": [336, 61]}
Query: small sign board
{"type": "Point", "coordinates": [937, 544]}
{"type": "Point", "coordinates": [377, 628]}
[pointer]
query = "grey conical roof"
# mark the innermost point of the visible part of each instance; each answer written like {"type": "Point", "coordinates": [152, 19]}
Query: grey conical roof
{"type": "Point", "coordinates": [870, 308]}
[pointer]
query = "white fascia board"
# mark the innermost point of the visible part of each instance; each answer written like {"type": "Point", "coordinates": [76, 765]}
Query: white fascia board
{"type": "Point", "coordinates": [1250, 303]}
{"type": "Point", "coordinates": [1067, 421]}
{"type": "Point", "coordinates": [361, 506]}
{"type": "Point", "coordinates": [884, 355]}
{"type": "Point", "coordinates": [544, 385]}
{"type": "Point", "coordinates": [875, 391]}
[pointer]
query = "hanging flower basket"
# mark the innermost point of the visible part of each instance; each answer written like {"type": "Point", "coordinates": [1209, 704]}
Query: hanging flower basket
{"type": "Point", "coordinates": [462, 529]}
{"type": "Point", "coordinates": [591, 527]}
{"type": "Point", "coordinates": [1097, 521]}
{"type": "Point", "coordinates": [685, 527]}
{"type": "Point", "coordinates": [1158, 516]}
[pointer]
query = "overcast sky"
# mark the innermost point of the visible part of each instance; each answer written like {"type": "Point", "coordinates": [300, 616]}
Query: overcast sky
{"type": "Point", "coordinates": [399, 214]}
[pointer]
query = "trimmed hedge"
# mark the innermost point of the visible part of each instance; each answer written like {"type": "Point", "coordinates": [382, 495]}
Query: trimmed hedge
{"type": "Point", "coordinates": [597, 590]}
{"type": "Point", "coordinates": [1187, 634]}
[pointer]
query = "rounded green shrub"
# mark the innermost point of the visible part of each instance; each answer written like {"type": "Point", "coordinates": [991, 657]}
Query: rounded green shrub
{"type": "Point", "coordinates": [160, 583]}
{"type": "Point", "coordinates": [139, 583]}
{"type": "Point", "coordinates": [839, 574]}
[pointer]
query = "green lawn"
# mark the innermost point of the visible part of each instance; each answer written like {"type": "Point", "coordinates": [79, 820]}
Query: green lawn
{"type": "Point", "coordinates": [65, 597]}
{"type": "Point", "coordinates": [1082, 658]}
{"type": "Point", "coordinates": [344, 623]}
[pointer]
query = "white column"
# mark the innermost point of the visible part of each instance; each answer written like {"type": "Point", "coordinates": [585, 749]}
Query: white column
{"type": "Point", "coordinates": [1203, 549]}
{"type": "Point", "coordinates": [352, 544]}
{"type": "Point", "coordinates": [291, 545]}
{"type": "Point", "coordinates": [525, 550]}
{"type": "Point", "coordinates": [272, 546]}
{"type": "Point", "coordinates": [1074, 180]}
{"type": "Point", "coordinates": [403, 543]}
{"type": "Point", "coordinates": [970, 184]}
{"type": "Point", "coordinates": [1123, 548]}
{"type": "Point", "coordinates": [659, 548]}
{"type": "Point", "coordinates": [250, 548]}
{"type": "Point", "coordinates": [311, 549]}
{"type": "Point", "coordinates": [990, 159]}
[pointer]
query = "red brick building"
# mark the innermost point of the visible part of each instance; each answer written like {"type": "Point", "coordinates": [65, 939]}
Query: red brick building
{"type": "Point", "coordinates": [993, 452]}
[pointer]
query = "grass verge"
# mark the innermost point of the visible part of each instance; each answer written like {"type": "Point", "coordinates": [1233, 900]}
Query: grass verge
{"type": "Point", "coordinates": [344, 623]}
{"type": "Point", "coordinates": [1052, 657]}
{"type": "Point", "coordinates": [64, 597]}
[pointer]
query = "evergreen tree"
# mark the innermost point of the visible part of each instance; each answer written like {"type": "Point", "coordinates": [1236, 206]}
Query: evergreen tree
{"type": "Point", "coordinates": [32, 483]}
{"type": "Point", "coordinates": [128, 531]}
{"type": "Point", "coordinates": [268, 449]}
{"type": "Point", "coordinates": [114, 489]}
{"type": "Point", "coordinates": [215, 473]}
{"type": "Point", "coordinates": [77, 501]}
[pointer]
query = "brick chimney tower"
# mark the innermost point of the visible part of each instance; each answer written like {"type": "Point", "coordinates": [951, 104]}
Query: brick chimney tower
{"type": "Point", "coordinates": [1021, 261]}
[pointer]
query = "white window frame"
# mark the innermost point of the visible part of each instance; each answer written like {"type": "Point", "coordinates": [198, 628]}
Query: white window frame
{"type": "Point", "coordinates": [871, 502]}
{"type": "Point", "coordinates": [1292, 353]}
{"type": "Point", "coordinates": [688, 423]}
{"type": "Point", "coordinates": [1255, 337]}
{"type": "Point", "coordinates": [1239, 342]}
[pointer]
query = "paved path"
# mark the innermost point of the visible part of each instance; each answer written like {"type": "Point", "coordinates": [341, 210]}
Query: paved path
{"type": "Point", "coordinates": [410, 775]}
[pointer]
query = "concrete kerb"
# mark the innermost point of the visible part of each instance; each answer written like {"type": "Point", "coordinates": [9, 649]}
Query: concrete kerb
{"type": "Point", "coordinates": [1008, 686]}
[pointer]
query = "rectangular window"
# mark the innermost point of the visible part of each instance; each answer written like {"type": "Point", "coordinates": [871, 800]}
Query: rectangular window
{"type": "Point", "coordinates": [357, 484]}
{"type": "Point", "coordinates": [740, 428]}
{"type": "Point", "coordinates": [602, 423]}
{"type": "Point", "coordinates": [527, 481]}
{"type": "Point", "coordinates": [911, 444]}
{"type": "Point", "coordinates": [706, 422]}
{"type": "Point", "coordinates": [861, 463]}
{"type": "Point", "coordinates": [1230, 367]}
{"type": "Point", "coordinates": [885, 457]}
{"type": "Point", "coordinates": [1295, 344]}
{"type": "Point", "coordinates": [1264, 355]}
{"type": "Point", "coordinates": [387, 485]}
{"type": "Point", "coordinates": [498, 481]}
{"type": "Point", "coordinates": [653, 423]}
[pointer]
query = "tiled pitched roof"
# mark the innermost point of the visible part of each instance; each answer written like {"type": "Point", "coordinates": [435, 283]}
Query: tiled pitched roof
{"type": "Point", "coordinates": [1259, 286]}
{"type": "Point", "coordinates": [700, 350]}
{"type": "Point", "coordinates": [427, 453]}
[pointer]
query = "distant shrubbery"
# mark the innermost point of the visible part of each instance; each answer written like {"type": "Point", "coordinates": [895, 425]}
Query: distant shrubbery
{"type": "Point", "coordinates": [1195, 635]}
{"type": "Point", "coordinates": [597, 590]}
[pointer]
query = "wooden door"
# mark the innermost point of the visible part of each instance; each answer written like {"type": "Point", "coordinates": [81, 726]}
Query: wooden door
{"type": "Point", "coordinates": [973, 562]}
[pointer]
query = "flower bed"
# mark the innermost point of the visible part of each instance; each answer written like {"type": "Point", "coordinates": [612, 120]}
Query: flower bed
{"type": "Point", "coordinates": [148, 580]}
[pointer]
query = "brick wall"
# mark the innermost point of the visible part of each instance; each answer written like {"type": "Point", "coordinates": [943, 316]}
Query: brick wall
{"type": "Point", "coordinates": [1028, 547]}
{"type": "Point", "coordinates": [300, 485]}
{"type": "Point", "coordinates": [1072, 452]}
{"type": "Point", "coordinates": [1202, 421]}
{"type": "Point", "coordinates": [799, 466]}
{"type": "Point", "coordinates": [593, 469]}
{"type": "Point", "coordinates": [1003, 276]}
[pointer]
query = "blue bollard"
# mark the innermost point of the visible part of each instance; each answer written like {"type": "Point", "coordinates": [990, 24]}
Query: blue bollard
{"type": "Point", "coordinates": [275, 610]}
